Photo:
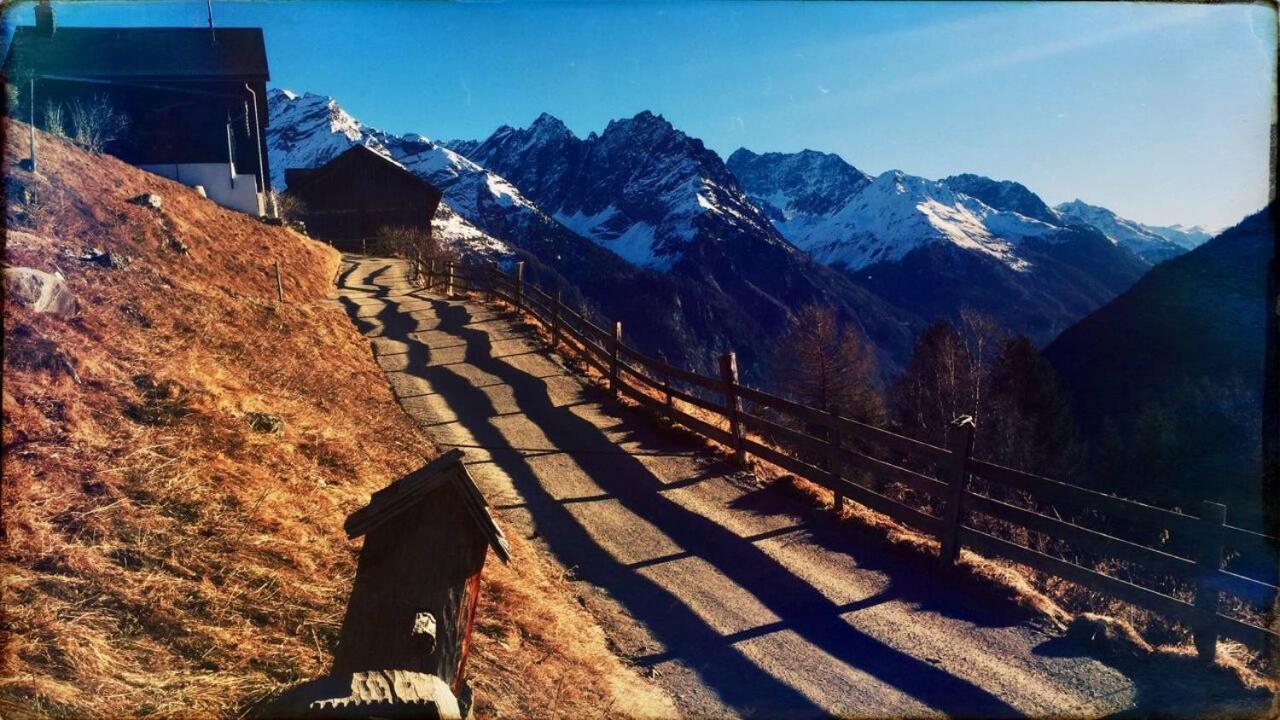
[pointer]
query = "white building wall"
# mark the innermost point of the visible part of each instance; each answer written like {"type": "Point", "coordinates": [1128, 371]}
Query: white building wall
{"type": "Point", "coordinates": [237, 192]}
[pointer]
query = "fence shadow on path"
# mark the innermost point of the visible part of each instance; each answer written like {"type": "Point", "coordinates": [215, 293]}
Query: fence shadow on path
{"type": "Point", "coordinates": [738, 680]}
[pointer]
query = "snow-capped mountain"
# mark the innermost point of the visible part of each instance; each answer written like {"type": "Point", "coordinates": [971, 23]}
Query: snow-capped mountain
{"type": "Point", "coordinates": [646, 225]}
{"type": "Point", "coordinates": [1003, 195]}
{"type": "Point", "coordinates": [1152, 243]}
{"type": "Point", "coordinates": [308, 130]}
{"type": "Point", "coordinates": [669, 244]}
{"type": "Point", "coordinates": [858, 221]}
{"type": "Point", "coordinates": [662, 201]}
{"type": "Point", "coordinates": [935, 246]}
{"type": "Point", "coordinates": [641, 188]}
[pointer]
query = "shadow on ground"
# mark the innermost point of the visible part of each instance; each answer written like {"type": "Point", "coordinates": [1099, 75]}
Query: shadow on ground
{"type": "Point", "coordinates": [738, 680]}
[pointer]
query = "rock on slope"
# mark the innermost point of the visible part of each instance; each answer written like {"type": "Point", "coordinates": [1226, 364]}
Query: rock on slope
{"type": "Point", "coordinates": [161, 555]}
{"type": "Point", "coordinates": [1173, 369]}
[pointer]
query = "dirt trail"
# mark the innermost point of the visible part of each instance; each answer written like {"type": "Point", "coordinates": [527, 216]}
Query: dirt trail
{"type": "Point", "coordinates": [735, 598]}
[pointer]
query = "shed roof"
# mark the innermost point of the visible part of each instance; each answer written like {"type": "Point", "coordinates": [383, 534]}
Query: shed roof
{"type": "Point", "coordinates": [355, 153]}
{"type": "Point", "coordinates": [140, 53]}
{"type": "Point", "coordinates": [411, 489]}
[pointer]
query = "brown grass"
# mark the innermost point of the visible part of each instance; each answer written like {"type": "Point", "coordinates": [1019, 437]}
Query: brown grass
{"type": "Point", "coordinates": [161, 556]}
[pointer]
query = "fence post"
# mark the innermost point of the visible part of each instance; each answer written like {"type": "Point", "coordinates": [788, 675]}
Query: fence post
{"type": "Point", "coordinates": [448, 278]}
{"type": "Point", "coordinates": [279, 284]}
{"type": "Point", "coordinates": [666, 380]}
{"type": "Point", "coordinates": [431, 275]}
{"type": "Point", "coordinates": [520, 285]}
{"type": "Point", "coordinates": [493, 282]}
{"type": "Point", "coordinates": [613, 359]}
{"type": "Point", "coordinates": [555, 321]}
{"type": "Point", "coordinates": [836, 461]}
{"type": "Point", "coordinates": [1212, 517]}
{"type": "Point", "coordinates": [733, 403]}
{"type": "Point", "coordinates": [959, 445]}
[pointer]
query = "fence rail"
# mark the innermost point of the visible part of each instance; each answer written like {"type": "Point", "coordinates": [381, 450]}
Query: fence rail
{"type": "Point", "coordinates": [952, 490]}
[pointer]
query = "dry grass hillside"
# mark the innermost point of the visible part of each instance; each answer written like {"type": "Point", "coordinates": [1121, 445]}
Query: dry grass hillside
{"type": "Point", "coordinates": [165, 550]}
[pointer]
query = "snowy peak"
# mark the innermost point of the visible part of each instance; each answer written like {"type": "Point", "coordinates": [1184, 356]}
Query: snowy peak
{"type": "Point", "coordinates": [549, 126]}
{"type": "Point", "coordinates": [806, 182]}
{"type": "Point", "coordinates": [843, 217]}
{"type": "Point", "coordinates": [641, 187]}
{"type": "Point", "coordinates": [1151, 243]}
{"type": "Point", "coordinates": [308, 130]}
{"type": "Point", "coordinates": [1003, 195]}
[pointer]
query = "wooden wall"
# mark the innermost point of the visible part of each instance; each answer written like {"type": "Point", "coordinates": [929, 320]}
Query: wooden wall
{"type": "Point", "coordinates": [421, 560]}
{"type": "Point", "coordinates": [358, 193]}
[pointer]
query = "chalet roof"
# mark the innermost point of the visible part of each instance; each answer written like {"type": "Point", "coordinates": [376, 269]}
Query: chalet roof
{"type": "Point", "coordinates": [411, 489]}
{"type": "Point", "coordinates": [300, 177]}
{"type": "Point", "coordinates": [140, 53]}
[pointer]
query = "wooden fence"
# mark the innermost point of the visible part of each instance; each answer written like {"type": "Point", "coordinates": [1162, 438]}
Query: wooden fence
{"type": "Point", "coordinates": [1171, 563]}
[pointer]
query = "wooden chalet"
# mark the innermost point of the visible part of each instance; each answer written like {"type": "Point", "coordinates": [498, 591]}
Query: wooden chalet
{"type": "Point", "coordinates": [349, 199]}
{"type": "Point", "coordinates": [426, 537]}
{"type": "Point", "coordinates": [194, 98]}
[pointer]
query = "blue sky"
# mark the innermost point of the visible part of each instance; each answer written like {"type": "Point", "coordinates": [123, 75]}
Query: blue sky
{"type": "Point", "coordinates": [1159, 111]}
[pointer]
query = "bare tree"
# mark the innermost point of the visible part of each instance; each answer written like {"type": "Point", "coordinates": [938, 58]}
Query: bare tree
{"type": "Point", "coordinates": [937, 385]}
{"type": "Point", "coordinates": [55, 121]}
{"type": "Point", "coordinates": [96, 123]}
{"type": "Point", "coordinates": [417, 245]}
{"type": "Point", "coordinates": [827, 365]}
{"type": "Point", "coordinates": [289, 207]}
{"type": "Point", "coordinates": [983, 336]}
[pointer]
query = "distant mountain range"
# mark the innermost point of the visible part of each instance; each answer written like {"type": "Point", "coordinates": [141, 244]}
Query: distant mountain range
{"type": "Point", "coordinates": [697, 255]}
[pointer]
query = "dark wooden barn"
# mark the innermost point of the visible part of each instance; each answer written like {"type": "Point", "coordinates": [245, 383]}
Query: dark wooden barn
{"type": "Point", "coordinates": [194, 98]}
{"type": "Point", "coordinates": [350, 198]}
{"type": "Point", "coordinates": [426, 537]}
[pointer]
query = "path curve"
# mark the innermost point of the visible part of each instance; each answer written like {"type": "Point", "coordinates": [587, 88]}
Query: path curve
{"type": "Point", "coordinates": [736, 598]}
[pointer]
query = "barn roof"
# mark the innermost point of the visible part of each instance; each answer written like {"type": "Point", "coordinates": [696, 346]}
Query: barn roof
{"type": "Point", "coordinates": [355, 153]}
{"type": "Point", "coordinates": [139, 53]}
{"type": "Point", "coordinates": [411, 489]}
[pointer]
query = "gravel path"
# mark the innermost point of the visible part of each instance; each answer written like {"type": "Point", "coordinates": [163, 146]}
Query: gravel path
{"type": "Point", "coordinates": [737, 599]}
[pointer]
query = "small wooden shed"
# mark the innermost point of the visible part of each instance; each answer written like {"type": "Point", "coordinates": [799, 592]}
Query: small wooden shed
{"type": "Point", "coordinates": [350, 198]}
{"type": "Point", "coordinates": [426, 537]}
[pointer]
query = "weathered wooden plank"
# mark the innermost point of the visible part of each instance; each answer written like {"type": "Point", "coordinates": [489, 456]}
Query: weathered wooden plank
{"type": "Point", "coordinates": [1213, 516]}
{"type": "Point", "coordinates": [790, 407]}
{"type": "Point", "coordinates": [1049, 490]}
{"type": "Point", "coordinates": [902, 513]}
{"type": "Point", "coordinates": [543, 295]}
{"type": "Point", "coordinates": [638, 375]}
{"type": "Point", "coordinates": [889, 472]}
{"type": "Point", "coordinates": [956, 475]}
{"type": "Point", "coordinates": [991, 546]}
{"type": "Point", "coordinates": [915, 449]}
{"type": "Point", "coordinates": [1248, 542]}
{"type": "Point", "coordinates": [1084, 538]}
{"type": "Point", "coordinates": [1176, 609]}
{"type": "Point", "coordinates": [695, 424]}
{"type": "Point", "coordinates": [701, 402]}
{"type": "Point", "coordinates": [794, 439]}
{"type": "Point", "coordinates": [587, 327]}
{"type": "Point", "coordinates": [789, 462]}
